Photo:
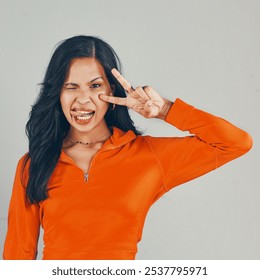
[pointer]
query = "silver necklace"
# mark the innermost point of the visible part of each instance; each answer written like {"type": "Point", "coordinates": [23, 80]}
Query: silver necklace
{"type": "Point", "coordinates": [88, 143]}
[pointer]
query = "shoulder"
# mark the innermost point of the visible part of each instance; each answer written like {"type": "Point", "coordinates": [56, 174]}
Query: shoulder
{"type": "Point", "coordinates": [24, 160]}
{"type": "Point", "coordinates": [22, 167]}
{"type": "Point", "coordinates": [166, 144]}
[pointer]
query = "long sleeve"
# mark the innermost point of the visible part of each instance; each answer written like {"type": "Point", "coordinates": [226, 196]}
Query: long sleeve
{"type": "Point", "coordinates": [212, 143]}
{"type": "Point", "coordinates": [23, 223]}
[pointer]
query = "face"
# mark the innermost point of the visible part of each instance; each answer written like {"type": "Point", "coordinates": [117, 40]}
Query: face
{"type": "Point", "coordinates": [79, 99]}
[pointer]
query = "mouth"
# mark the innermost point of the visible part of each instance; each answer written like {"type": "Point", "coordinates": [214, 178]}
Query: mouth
{"type": "Point", "coordinates": [82, 117]}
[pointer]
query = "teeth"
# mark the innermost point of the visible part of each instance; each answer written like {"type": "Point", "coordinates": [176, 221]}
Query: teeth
{"type": "Point", "coordinates": [85, 116]}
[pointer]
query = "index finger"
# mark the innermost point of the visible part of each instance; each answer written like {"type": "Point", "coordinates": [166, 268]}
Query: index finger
{"type": "Point", "coordinates": [124, 83]}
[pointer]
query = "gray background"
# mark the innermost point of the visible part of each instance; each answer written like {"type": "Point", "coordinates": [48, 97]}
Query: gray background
{"type": "Point", "coordinates": [205, 52]}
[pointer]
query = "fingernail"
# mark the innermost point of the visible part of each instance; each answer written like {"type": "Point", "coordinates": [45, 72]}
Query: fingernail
{"type": "Point", "coordinates": [113, 69]}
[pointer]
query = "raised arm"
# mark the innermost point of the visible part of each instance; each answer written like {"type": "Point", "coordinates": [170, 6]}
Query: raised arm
{"type": "Point", "coordinates": [212, 143]}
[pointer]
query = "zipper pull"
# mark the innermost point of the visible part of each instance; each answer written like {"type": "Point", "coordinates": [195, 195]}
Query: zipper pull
{"type": "Point", "coordinates": [85, 177]}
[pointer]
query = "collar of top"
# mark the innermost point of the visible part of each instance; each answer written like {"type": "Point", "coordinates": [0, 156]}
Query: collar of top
{"type": "Point", "coordinates": [118, 139]}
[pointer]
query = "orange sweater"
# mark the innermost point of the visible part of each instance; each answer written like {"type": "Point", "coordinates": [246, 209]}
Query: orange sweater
{"type": "Point", "coordinates": [103, 217]}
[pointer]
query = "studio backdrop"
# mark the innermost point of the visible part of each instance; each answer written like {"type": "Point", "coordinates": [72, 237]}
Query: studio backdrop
{"type": "Point", "coordinates": [204, 52]}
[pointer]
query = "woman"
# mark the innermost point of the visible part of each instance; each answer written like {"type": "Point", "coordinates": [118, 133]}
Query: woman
{"type": "Point", "coordinates": [90, 176]}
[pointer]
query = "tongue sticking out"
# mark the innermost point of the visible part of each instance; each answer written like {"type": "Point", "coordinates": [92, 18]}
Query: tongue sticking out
{"type": "Point", "coordinates": [84, 112]}
{"type": "Point", "coordinates": [83, 117]}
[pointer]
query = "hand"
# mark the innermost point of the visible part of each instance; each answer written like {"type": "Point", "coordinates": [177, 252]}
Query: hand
{"type": "Point", "coordinates": [144, 100]}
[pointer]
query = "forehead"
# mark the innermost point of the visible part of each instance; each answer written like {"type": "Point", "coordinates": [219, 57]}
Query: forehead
{"type": "Point", "coordinates": [85, 67]}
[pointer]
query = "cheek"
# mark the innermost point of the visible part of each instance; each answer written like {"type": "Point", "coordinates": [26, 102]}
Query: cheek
{"type": "Point", "coordinates": [101, 105]}
{"type": "Point", "coordinates": [65, 100]}
{"type": "Point", "coordinates": [102, 109]}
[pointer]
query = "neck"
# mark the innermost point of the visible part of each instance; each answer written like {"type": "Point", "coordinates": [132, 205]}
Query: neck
{"type": "Point", "coordinates": [92, 136]}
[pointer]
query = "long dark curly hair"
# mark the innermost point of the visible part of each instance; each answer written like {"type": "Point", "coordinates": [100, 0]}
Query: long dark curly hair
{"type": "Point", "coordinates": [47, 126]}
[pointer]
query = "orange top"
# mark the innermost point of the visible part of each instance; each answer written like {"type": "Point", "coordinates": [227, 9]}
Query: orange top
{"type": "Point", "coordinates": [103, 217]}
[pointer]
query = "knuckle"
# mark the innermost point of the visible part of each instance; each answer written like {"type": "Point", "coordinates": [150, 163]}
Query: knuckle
{"type": "Point", "coordinates": [129, 89]}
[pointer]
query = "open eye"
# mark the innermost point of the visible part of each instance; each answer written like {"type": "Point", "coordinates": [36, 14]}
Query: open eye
{"type": "Point", "coordinates": [95, 85]}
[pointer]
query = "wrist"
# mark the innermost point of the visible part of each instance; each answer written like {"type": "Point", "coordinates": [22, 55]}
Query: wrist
{"type": "Point", "coordinates": [165, 109]}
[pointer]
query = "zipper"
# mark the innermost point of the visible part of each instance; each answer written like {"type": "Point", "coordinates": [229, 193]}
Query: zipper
{"type": "Point", "coordinates": [87, 175]}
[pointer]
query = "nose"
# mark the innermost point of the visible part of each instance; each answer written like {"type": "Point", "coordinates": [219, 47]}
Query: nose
{"type": "Point", "coordinates": [83, 97]}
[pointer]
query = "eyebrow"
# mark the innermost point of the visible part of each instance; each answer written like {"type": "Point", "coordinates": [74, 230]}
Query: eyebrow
{"type": "Point", "coordinates": [75, 84]}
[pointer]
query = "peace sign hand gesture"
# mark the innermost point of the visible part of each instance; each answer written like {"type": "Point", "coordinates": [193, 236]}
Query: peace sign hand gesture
{"type": "Point", "coordinates": [144, 100]}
